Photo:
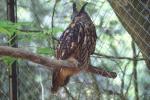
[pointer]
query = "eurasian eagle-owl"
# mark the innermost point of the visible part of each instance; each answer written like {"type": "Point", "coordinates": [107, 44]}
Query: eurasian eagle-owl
{"type": "Point", "coordinates": [76, 43]}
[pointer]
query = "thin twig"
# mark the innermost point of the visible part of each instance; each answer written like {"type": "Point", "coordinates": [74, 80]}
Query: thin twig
{"type": "Point", "coordinates": [67, 91]}
{"type": "Point", "coordinates": [23, 30]}
{"type": "Point", "coordinates": [52, 22]}
{"type": "Point", "coordinates": [136, 90]}
{"type": "Point", "coordinates": [96, 86]}
{"type": "Point", "coordinates": [130, 81]}
{"type": "Point", "coordinates": [115, 57]}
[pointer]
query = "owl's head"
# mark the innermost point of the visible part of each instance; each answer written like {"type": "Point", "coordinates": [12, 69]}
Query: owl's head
{"type": "Point", "coordinates": [77, 13]}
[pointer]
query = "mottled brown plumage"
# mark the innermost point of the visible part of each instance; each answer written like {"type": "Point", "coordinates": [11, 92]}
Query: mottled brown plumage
{"type": "Point", "coordinates": [76, 44]}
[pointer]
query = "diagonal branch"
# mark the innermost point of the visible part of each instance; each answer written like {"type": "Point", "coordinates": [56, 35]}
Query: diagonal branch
{"type": "Point", "coordinates": [51, 63]}
{"type": "Point", "coordinates": [20, 53]}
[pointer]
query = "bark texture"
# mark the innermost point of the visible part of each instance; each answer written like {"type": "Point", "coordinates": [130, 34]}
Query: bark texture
{"type": "Point", "coordinates": [51, 63]}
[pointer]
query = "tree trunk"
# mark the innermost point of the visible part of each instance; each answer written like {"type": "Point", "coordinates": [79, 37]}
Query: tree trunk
{"type": "Point", "coordinates": [11, 16]}
{"type": "Point", "coordinates": [134, 16]}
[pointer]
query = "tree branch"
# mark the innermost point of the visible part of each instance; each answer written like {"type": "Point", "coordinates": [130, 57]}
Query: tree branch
{"type": "Point", "coordinates": [50, 62]}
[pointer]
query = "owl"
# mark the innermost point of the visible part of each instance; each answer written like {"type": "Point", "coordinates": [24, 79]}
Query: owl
{"type": "Point", "coordinates": [76, 44]}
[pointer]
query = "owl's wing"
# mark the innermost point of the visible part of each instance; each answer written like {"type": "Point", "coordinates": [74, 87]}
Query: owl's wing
{"type": "Point", "coordinates": [70, 41]}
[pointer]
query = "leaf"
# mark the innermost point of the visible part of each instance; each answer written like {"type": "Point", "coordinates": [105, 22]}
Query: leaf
{"type": "Point", "coordinates": [7, 27]}
{"type": "Point", "coordinates": [3, 30]}
{"type": "Point", "coordinates": [8, 60]}
{"type": "Point", "coordinates": [45, 51]}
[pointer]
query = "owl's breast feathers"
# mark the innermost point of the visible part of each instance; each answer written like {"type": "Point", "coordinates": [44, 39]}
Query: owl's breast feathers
{"type": "Point", "coordinates": [78, 36]}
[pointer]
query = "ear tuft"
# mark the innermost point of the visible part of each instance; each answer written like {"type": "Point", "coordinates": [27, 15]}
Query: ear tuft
{"type": "Point", "coordinates": [83, 7]}
{"type": "Point", "coordinates": [74, 7]}
{"type": "Point", "coordinates": [75, 12]}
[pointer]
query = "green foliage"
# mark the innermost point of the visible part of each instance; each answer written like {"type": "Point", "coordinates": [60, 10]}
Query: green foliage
{"type": "Point", "coordinates": [9, 28]}
{"type": "Point", "coordinates": [8, 60]}
{"type": "Point", "coordinates": [45, 51]}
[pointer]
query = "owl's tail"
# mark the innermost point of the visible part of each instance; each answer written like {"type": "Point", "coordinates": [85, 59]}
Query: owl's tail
{"type": "Point", "coordinates": [61, 77]}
